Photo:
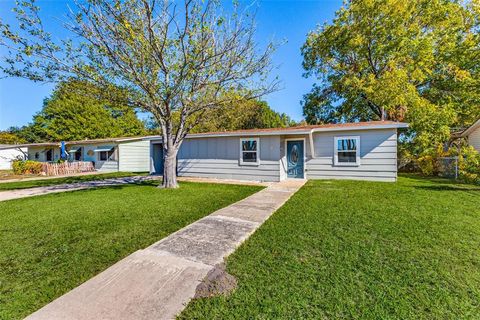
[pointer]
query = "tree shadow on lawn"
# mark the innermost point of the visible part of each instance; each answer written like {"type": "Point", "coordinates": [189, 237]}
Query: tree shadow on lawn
{"type": "Point", "coordinates": [450, 188]}
{"type": "Point", "coordinates": [73, 188]}
{"type": "Point", "coordinates": [429, 179]}
{"type": "Point", "coordinates": [445, 183]}
{"type": "Point", "coordinates": [145, 183]}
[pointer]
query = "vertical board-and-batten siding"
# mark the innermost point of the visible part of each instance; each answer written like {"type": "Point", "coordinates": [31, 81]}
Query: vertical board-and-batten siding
{"type": "Point", "coordinates": [474, 139]}
{"type": "Point", "coordinates": [378, 156]}
{"type": "Point", "coordinates": [218, 157]}
{"type": "Point", "coordinates": [134, 156]}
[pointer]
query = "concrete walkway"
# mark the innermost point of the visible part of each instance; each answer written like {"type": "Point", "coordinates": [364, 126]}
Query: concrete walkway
{"type": "Point", "coordinates": [157, 282]}
{"type": "Point", "coordinates": [37, 191]}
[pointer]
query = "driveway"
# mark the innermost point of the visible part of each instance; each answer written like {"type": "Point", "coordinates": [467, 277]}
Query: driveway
{"type": "Point", "coordinates": [30, 192]}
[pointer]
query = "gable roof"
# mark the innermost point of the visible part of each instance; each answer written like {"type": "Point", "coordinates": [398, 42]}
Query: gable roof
{"type": "Point", "coordinates": [469, 130]}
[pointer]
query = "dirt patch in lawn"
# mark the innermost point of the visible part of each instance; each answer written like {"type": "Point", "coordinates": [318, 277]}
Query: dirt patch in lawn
{"type": "Point", "coordinates": [217, 282]}
{"type": "Point", "coordinates": [9, 175]}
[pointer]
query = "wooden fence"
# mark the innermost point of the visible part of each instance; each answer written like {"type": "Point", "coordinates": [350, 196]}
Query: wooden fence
{"type": "Point", "coordinates": [59, 169]}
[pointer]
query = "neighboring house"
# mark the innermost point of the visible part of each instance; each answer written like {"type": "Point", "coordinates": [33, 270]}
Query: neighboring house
{"type": "Point", "coordinates": [8, 154]}
{"type": "Point", "coordinates": [472, 135]}
{"type": "Point", "coordinates": [363, 151]}
{"type": "Point", "coordinates": [116, 154]}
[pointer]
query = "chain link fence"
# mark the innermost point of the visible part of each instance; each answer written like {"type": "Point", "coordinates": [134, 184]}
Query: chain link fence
{"type": "Point", "coordinates": [448, 167]}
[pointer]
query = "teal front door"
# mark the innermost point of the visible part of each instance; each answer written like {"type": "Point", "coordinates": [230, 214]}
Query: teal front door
{"type": "Point", "coordinates": [295, 161]}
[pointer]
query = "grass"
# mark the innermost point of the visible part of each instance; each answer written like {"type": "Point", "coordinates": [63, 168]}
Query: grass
{"type": "Point", "coordinates": [53, 181]}
{"type": "Point", "coordinates": [8, 174]}
{"type": "Point", "coordinates": [50, 244]}
{"type": "Point", "coordinates": [360, 250]}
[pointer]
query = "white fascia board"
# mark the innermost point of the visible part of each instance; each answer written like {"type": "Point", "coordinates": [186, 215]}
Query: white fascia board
{"type": "Point", "coordinates": [128, 139]}
{"type": "Point", "coordinates": [282, 133]}
{"type": "Point", "coordinates": [472, 128]}
{"type": "Point", "coordinates": [377, 127]}
{"type": "Point", "coordinates": [154, 139]}
{"type": "Point", "coordinates": [13, 146]}
{"type": "Point", "coordinates": [30, 145]}
{"type": "Point", "coordinates": [246, 134]}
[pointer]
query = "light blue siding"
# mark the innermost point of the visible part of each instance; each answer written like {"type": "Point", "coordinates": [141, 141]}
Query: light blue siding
{"type": "Point", "coordinates": [220, 158]}
{"type": "Point", "coordinates": [156, 158]}
{"type": "Point", "coordinates": [89, 154]}
{"type": "Point", "coordinates": [378, 156]}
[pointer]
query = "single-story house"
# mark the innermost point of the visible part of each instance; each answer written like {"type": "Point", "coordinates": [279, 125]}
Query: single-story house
{"type": "Point", "coordinates": [116, 154]}
{"type": "Point", "coordinates": [8, 154]}
{"type": "Point", "coordinates": [472, 135]}
{"type": "Point", "coordinates": [362, 151]}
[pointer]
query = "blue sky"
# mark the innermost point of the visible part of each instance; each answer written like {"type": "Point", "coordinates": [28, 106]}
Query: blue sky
{"type": "Point", "coordinates": [288, 20]}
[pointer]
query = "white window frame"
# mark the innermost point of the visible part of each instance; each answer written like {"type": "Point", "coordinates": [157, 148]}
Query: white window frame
{"type": "Point", "coordinates": [109, 158]}
{"type": "Point", "coordinates": [243, 163]}
{"type": "Point", "coordinates": [335, 151]}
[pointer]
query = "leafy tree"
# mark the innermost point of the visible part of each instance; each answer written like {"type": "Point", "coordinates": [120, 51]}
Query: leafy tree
{"type": "Point", "coordinates": [26, 134]}
{"type": "Point", "coordinates": [415, 61]}
{"type": "Point", "coordinates": [8, 137]}
{"type": "Point", "coordinates": [78, 110]}
{"type": "Point", "coordinates": [171, 60]}
{"type": "Point", "coordinates": [249, 114]}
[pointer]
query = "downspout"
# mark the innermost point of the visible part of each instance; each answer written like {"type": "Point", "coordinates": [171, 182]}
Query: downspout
{"type": "Point", "coordinates": [312, 148]}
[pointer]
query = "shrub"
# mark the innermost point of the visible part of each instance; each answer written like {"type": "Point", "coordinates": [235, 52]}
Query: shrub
{"type": "Point", "coordinates": [427, 165]}
{"type": "Point", "coordinates": [33, 167]}
{"type": "Point", "coordinates": [469, 165]}
{"type": "Point", "coordinates": [18, 166]}
{"type": "Point", "coordinates": [433, 162]}
{"type": "Point", "coordinates": [26, 167]}
{"type": "Point", "coordinates": [429, 161]}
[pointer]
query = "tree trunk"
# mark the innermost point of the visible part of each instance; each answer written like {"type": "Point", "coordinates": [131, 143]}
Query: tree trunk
{"type": "Point", "coordinates": [170, 168]}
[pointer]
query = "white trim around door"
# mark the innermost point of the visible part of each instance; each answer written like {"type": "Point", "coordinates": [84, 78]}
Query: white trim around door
{"type": "Point", "coordinates": [304, 156]}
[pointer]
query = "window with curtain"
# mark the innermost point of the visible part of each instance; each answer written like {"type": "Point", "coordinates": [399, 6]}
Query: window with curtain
{"type": "Point", "coordinates": [249, 151]}
{"type": "Point", "coordinates": [347, 150]}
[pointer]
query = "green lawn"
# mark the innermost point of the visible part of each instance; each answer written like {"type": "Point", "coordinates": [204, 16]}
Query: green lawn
{"type": "Point", "coordinates": [360, 250]}
{"type": "Point", "coordinates": [50, 244]}
{"type": "Point", "coordinates": [50, 182]}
